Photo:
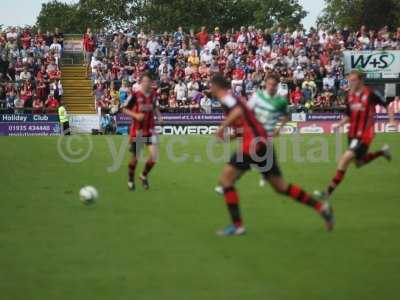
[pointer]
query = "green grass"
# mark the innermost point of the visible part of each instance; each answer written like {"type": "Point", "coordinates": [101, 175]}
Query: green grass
{"type": "Point", "coordinates": [160, 244]}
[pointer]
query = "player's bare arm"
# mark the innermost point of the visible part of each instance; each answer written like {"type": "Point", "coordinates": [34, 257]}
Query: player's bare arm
{"type": "Point", "coordinates": [282, 122]}
{"type": "Point", "coordinates": [159, 115]}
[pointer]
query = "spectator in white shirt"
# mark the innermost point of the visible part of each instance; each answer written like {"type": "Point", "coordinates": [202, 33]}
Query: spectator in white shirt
{"type": "Point", "coordinates": [95, 64]}
{"type": "Point", "coordinates": [25, 75]}
{"type": "Point", "coordinates": [290, 60]}
{"type": "Point", "coordinates": [303, 59]}
{"type": "Point", "coordinates": [364, 40]}
{"type": "Point", "coordinates": [242, 38]}
{"type": "Point", "coordinates": [298, 74]}
{"type": "Point", "coordinates": [205, 104]}
{"type": "Point", "coordinates": [283, 89]}
{"type": "Point", "coordinates": [153, 46]}
{"type": "Point", "coordinates": [329, 82]}
{"type": "Point", "coordinates": [193, 89]}
{"type": "Point", "coordinates": [211, 44]}
{"type": "Point", "coordinates": [180, 92]}
{"type": "Point", "coordinates": [13, 34]}
{"type": "Point", "coordinates": [206, 56]}
{"type": "Point", "coordinates": [56, 48]}
{"type": "Point", "coordinates": [165, 69]}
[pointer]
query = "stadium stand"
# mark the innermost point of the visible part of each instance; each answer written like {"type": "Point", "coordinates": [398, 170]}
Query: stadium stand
{"type": "Point", "coordinates": [29, 70]}
{"type": "Point", "coordinates": [310, 64]}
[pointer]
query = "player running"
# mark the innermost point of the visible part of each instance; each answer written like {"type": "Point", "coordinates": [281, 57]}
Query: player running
{"type": "Point", "coordinates": [142, 106]}
{"type": "Point", "coordinates": [361, 104]}
{"type": "Point", "coordinates": [259, 120]}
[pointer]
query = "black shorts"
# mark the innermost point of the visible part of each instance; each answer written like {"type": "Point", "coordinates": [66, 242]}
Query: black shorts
{"type": "Point", "coordinates": [360, 149]}
{"type": "Point", "coordinates": [264, 161]}
{"type": "Point", "coordinates": [66, 130]}
{"type": "Point", "coordinates": [138, 143]}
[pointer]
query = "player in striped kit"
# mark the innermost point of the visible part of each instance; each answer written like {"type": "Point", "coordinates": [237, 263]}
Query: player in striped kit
{"type": "Point", "coordinates": [361, 104]}
{"type": "Point", "coordinates": [259, 119]}
{"type": "Point", "coordinates": [142, 107]}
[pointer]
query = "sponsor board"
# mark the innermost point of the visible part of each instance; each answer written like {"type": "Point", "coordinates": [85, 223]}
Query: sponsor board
{"type": "Point", "coordinates": [29, 128]}
{"type": "Point", "coordinates": [299, 117]}
{"type": "Point", "coordinates": [22, 118]}
{"type": "Point", "coordinates": [186, 129]}
{"type": "Point", "coordinates": [308, 127]}
{"type": "Point", "coordinates": [289, 128]}
{"type": "Point", "coordinates": [325, 127]}
{"type": "Point", "coordinates": [376, 64]}
{"type": "Point", "coordinates": [84, 123]}
{"type": "Point", "coordinates": [215, 119]}
{"type": "Point", "coordinates": [321, 117]}
{"type": "Point", "coordinates": [29, 125]}
{"type": "Point", "coordinates": [313, 128]}
{"type": "Point", "coordinates": [385, 127]}
{"type": "Point", "coordinates": [324, 117]}
{"type": "Point", "coordinates": [180, 119]}
{"type": "Point", "coordinates": [177, 129]}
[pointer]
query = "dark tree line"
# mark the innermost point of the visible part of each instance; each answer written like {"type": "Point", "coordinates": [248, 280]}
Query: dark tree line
{"type": "Point", "coordinates": [353, 13]}
{"type": "Point", "coordinates": [167, 15]}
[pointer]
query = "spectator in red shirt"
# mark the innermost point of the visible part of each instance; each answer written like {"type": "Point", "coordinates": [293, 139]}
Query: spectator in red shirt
{"type": "Point", "coordinates": [324, 58]}
{"type": "Point", "coordinates": [217, 35]}
{"type": "Point", "coordinates": [26, 38]}
{"type": "Point", "coordinates": [37, 106]}
{"type": "Point", "coordinates": [42, 74]}
{"type": "Point", "coordinates": [89, 46]}
{"type": "Point", "coordinates": [238, 73]}
{"type": "Point", "coordinates": [42, 90]}
{"type": "Point", "coordinates": [51, 104]}
{"type": "Point", "coordinates": [26, 94]}
{"type": "Point", "coordinates": [39, 38]}
{"type": "Point", "coordinates": [296, 97]}
{"type": "Point", "coordinates": [202, 36]}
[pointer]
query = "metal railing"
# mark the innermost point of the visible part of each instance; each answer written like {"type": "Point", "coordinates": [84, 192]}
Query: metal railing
{"type": "Point", "coordinates": [72, 59]}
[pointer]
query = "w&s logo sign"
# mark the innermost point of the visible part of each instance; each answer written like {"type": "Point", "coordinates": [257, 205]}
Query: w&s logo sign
{"type": "Point", "coordinates": [375, 61]}
{"type": "Point", "coordinates": [382, 63]}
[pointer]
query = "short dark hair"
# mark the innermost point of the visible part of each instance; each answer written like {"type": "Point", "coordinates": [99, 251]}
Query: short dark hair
{"type": "Point", "coordinates": [273, 77]}
{"type": "Point", "coordinates": [146, 75]}
{"type": "Point", "coordinates": [220, 81]}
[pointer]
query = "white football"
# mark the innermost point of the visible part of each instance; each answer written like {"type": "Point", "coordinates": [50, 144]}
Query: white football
{"type": "Point", "coordinates": [88, 194]}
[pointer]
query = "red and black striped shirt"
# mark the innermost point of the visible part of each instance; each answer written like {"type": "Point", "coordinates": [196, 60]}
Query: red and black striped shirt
{"type": "Point", "coordinates": [361, 110]}
{"type": "Point", "coordinates": [254, 134]}
{"type": "Point", "coordinates": [145, 104]}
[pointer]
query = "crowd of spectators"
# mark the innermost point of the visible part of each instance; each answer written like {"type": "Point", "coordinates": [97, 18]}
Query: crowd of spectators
{"type": "Point", "coordinates": [29, 70]}
{"type": "Point", "coordinates": [309, 64]}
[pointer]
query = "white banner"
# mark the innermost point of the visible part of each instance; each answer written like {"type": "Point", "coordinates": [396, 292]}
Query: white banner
{"type": "Point", "coordinates": [71, 45]}
{"type": "Point", "coordinates": [376, 64]}
{"type": "Point", "coordinates": [84, 123]}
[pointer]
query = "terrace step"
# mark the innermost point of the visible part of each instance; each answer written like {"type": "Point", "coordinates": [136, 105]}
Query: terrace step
{"type": "Point", "coordinates": [77, 90]}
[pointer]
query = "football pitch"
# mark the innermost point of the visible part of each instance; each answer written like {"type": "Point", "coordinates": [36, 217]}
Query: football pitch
{"type": "Point", "coordinates": [160, 244]}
